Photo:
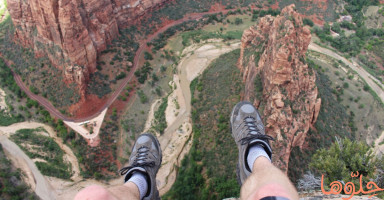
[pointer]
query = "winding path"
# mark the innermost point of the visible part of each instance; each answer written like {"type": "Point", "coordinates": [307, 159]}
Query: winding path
{"type": "Point", "coordinates": [143, 45]}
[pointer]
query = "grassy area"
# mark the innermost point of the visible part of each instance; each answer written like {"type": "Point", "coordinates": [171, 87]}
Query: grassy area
{"type": "Point", "coordinates": [213, 154]}
{"type": "Point", "coordinates": [357, 97]}
{"type": "Point", "coordinates": [43, 147]}
{"type": "Point", "coordinates": [11, 182]}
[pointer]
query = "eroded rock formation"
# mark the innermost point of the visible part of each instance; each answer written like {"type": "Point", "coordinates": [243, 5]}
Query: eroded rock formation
{"type": "Point", "coordinates": [278, 80]}
{"type": "Point", "coordinates": [73, 32]}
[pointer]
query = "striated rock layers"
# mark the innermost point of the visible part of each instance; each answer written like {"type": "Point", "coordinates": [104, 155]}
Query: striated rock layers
{"type": "Point", "coordinates": [278, 80]}
{"type": "Point", "coordinates": [72, 32]}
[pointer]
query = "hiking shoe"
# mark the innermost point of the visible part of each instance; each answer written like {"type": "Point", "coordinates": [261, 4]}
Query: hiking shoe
{"type": "Point", "coordinates": [145, 157]}
{"type": "Point", "coordinates": [247, 130]}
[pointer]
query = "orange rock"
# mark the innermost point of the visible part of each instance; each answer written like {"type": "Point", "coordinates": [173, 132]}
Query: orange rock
{"type": "Point", "coordinates": [275, 48]}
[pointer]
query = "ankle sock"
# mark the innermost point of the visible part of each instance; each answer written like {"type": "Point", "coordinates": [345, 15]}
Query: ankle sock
{"type": "Point", "coordinates": [138, 178]}
{"type": "Point", "coordinates": [255, 151]}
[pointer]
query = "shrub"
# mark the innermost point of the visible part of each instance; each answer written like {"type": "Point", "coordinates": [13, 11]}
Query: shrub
{"type": "Point", "coordinates": [345, 85]}
{"type": "Point", "coordinates": [307, 21]}
{"type": "Point", "coordinates": [148, 56]}
{"type": "Point", "coordinates": [142, 96]}
{"type": "Point", "coordinates": [238, 21]}
{"type": "Point", "coordinates": [121, 75]}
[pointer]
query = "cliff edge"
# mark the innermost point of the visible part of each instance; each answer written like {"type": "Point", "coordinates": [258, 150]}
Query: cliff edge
{"type": "Point", "coordinates": [278, 80]}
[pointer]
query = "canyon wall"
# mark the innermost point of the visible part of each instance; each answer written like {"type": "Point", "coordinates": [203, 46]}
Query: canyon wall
{"type": "Point", "coordinates": [72, 32]}
{"type": "Point", "coordinates": [278, 80]}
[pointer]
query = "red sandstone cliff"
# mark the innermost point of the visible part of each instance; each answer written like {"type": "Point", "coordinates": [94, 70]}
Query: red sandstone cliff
{"type": "Point", "coordinates": [274, 50]}
{"type": "Point", "coordinates": [73, 32]}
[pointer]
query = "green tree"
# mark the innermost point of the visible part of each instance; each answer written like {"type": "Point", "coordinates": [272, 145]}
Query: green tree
{"type": "Point", "coordinates": [341, 159]}
{"type": "Point", "coordinates": [327, 28]}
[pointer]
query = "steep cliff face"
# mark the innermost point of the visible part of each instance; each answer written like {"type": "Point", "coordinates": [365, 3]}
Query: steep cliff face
{"type": "Point", "coordinates": [278, 80]}
{"type": "Point", "coordinates": [73, 32]}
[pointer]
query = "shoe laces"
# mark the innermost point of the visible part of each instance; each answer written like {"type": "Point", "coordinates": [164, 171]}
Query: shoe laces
{"type": "Point", "coordinates": [141, 160]}
{"type": "Point", "coordinates": [253, 131]}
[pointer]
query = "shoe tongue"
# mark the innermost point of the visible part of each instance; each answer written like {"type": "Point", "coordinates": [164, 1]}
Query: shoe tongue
{"type": "Point", "coordinates": [132, 171]}
{"type": "Point", "coordinates": [247, 108]}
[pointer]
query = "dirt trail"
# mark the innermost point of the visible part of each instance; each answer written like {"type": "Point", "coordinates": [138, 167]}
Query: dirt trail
{"type": "Point", "coordinates": [375, 84]}
{"type": "Point", "coordinates": [379, 149]}
{"type": "Point", "coordinates": [176, 140]}
{"type": "Point", "coordinates": [69, 155]}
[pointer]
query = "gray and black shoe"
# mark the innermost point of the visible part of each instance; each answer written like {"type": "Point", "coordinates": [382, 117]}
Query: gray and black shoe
{"type": "Point", "coordinates": [247, 130]}
{"type": "Point", "coordinates": [146, 158]}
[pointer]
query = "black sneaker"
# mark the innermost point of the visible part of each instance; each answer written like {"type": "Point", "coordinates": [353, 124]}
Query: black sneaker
{"type": "Point", "coordinates": [146, 157]}
{"type": "Point", "coordinates": [247, 130]}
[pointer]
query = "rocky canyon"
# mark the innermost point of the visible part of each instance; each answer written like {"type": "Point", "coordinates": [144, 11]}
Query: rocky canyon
{"type": "Point", "coordinates": [73, 32]}
{"type": "Point", "coordinates": [278, 80]}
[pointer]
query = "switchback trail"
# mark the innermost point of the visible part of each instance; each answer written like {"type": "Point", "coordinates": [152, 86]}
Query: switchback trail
{"type": "Point", "coordinates": [143, 45]}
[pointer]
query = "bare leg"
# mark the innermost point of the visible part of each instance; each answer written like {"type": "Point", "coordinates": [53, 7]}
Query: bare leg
{"type": "Point", "coordinates": [127, 191]}
{"type": "Point", "coordinates": [267, 180]}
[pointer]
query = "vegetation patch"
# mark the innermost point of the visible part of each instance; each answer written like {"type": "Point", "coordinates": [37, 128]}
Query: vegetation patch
{"type": "Point", "coordinates": [159, 116]}
{"type": "Point", "coordinates": [43, 147]}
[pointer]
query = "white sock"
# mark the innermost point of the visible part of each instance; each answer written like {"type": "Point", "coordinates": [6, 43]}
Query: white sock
{"type": "Point", "coordinates": [138, 178]}
{"type": "Point", "coordinates": [254, 152]}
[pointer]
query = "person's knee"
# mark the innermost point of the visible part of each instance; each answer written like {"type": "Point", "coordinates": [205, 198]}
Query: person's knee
{"type": "Point", "coordinates": [269, 190]}
{"type": "Point", "coordinates": [93, 192]}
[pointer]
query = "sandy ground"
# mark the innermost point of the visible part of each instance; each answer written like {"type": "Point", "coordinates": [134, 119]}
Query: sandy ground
{"type": "Point", "coordinates": [177, 96]}
{"type": "Point", "coordinates": [3, 105]}
{"type": "Point", "coordinates": [95, 122]}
